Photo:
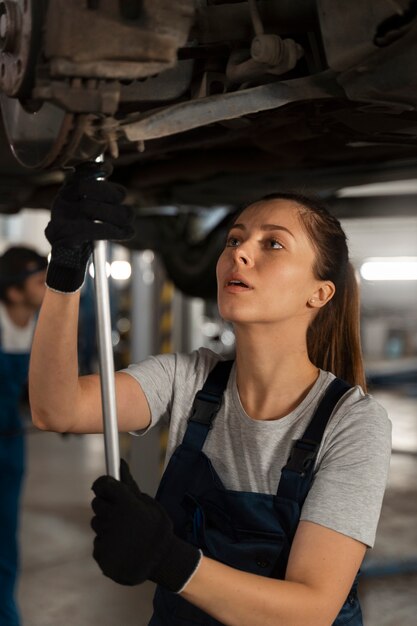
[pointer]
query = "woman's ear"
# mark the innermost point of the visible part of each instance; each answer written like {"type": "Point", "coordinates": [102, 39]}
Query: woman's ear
{"type": "Point", "coordinates": [322, 295]}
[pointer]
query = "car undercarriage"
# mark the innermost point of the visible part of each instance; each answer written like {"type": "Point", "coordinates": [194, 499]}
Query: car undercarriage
{"type": "Point", "coordinates": [205, 103]}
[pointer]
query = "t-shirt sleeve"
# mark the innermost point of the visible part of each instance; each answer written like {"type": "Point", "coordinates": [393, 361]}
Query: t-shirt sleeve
{"type": "Point", "coordinates": [351, 477]}
{"type": "Point", "coordinates": [170, 381]}
{"type": "Point", "coordinates": [156, 376]}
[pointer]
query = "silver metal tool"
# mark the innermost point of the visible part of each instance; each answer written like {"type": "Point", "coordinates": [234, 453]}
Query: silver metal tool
{"type": "Point", "coordinates": [106, 362]}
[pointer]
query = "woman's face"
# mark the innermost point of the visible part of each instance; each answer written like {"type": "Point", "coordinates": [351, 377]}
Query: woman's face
{"type": "Point", "coordinates": [265, 273]}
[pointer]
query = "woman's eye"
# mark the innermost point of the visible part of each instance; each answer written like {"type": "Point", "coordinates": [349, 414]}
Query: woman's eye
{"type": "Point", "coordinates": [232, 242]}
{"type": "Point", "coordinates": [275, 244]}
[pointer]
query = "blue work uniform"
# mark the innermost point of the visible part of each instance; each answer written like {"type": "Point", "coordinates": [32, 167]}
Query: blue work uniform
{"type": "Point", "coordinates": [13, 376]}
{"type": "Point", "coordinates": [252, 532]}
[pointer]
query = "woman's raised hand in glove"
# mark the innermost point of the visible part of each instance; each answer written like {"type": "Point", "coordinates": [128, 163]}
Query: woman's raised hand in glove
{"type": "Point", "coordinates": [85, 210]}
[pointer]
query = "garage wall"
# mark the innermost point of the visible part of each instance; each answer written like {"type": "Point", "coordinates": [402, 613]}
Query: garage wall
{"type": "Point", "coordinates": [384, 237]}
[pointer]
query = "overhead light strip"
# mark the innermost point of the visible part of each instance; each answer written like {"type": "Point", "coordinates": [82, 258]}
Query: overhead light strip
{"type": "Point", "coordinates": [389, 268]}
{"type": "Point", "coordinates": [389, 188]}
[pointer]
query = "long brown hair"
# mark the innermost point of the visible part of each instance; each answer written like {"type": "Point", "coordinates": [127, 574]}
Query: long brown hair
{"type": "Point", "coordinates": [333, 337]}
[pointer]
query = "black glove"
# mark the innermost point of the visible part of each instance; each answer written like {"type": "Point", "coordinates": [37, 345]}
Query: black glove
{"type": "Point", "coordinates": [135, 539]}
{"type": "Point", "coordinates": [81, 201]}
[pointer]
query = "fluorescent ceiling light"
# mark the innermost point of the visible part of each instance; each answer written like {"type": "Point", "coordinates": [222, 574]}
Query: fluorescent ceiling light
{"type": "Point", "coordinates": [91, 269]}
{"type": "Point", "coordinates": [390, 268]}
{"type": "Point", "coordinates": [391, 188]}
{"type": "Point", "coordinates": [121, 270]}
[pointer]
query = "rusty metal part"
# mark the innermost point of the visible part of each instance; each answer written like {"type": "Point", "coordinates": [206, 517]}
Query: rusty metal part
{"type": "Point", "coordinates": [10, 19]}
{"type": "Point", "coordinates": [224, 21]}
{"type": "Point", "coordinates": [269, 55]}
{"type": "Point", "coordinates": [241, 68]}
{"type": "Point", "coordinates": [136, 48]}
{"type": "Point", "coordinates": [161, 88]}
{"type": "Point", "coordinates": [210, 83]}
{"type": "Point", "coordinates": [81, 96]}
{"type": "Point", "coordinates": [281, 54]}
{"type": "Point", "coordinates": [348, 36]}
{"type": "Point", "coordinates": [388, 77]}
{"type": "Point", "coordinates": [255, 16]}
{"type": "Point", "coordinates": [188, 115]}
{"type": "Point", "coordinates": [36, 133]}
{"type": "Point", "coordinates": [396, 25]}
{"type": "Point", "coordinates": [35, 139]}
{"type": "Point", "coordinates": [105, 96]}
{"type": "Point", "coordinates": [109, 70]}
{"type": "Point", "coordinates": [83, 142]}
{"type": "Point", "coordinates": [51, 137]}
{"type": "Point", "coordinates": [20, 35]}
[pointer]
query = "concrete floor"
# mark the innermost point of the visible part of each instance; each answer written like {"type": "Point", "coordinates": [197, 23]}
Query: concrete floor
{"type": "Point", "coordinates": [60, 581]}
{"type": "Point", "coordinates": [61, 584]}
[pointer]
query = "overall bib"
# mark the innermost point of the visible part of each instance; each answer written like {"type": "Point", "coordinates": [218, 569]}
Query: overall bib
{"type": "Point", "coordinates": [13, 376]}
{"type": "Point", "coordinates": [252, 532]}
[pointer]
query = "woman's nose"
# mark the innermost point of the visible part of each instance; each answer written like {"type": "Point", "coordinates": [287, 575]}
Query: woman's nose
{"type": "Point", "coordinates": [242, 255]}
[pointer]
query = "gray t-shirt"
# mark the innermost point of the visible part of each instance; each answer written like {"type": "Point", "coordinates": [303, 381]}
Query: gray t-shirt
{"type": "Point", "coordinates": [353, 460]}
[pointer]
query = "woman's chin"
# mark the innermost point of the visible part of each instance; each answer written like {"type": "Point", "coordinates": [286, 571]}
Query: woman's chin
{"type": "Point", "coordinates": [234, 315]}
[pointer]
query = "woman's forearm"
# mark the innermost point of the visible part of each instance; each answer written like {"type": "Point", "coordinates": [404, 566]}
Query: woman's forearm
{"type": "Point", "coordinates": [237, 598]}
{"type": "Point", "coordinates": [53, 372]}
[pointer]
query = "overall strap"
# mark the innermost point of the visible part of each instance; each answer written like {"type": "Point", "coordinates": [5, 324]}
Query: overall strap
{"type": "Point", "coordinates": [206, 405]}
{"type": "Point", "coordinates": [297, 474]}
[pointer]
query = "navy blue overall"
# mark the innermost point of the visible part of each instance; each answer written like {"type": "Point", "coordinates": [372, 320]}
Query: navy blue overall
{"type": "Point", "coordinates": [13, 376]}
{"type": "Point", "coordinates": [252, 532]}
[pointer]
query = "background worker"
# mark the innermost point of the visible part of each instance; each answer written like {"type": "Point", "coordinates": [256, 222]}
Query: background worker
{"type": "Point", "coordinates": [22, 287]}
{"type": "Point", "coordinates": [247, 541]}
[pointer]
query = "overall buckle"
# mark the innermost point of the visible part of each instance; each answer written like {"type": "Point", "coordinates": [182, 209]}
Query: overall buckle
{"type": "Point", "coordinates": [205, 408]}
{"type": "Point", "coordinates": [303, 455]}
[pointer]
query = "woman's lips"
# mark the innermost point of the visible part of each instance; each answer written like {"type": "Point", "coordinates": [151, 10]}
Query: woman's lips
{"type": "Point", "coordinates": [235, 285]}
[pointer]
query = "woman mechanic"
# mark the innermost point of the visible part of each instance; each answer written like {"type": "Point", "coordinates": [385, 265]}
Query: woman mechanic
{"type": "Point", "coordinates": [276, 469]}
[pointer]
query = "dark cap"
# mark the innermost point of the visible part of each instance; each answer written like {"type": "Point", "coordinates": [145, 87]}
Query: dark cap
{"type": "Point", "coordinates": [17, 264]}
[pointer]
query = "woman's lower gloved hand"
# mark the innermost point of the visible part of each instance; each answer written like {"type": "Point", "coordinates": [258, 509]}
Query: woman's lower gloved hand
{"type": "Point", "coordinates": [85, 210]}
{"type": "Point", "coordinates": [135, 539]}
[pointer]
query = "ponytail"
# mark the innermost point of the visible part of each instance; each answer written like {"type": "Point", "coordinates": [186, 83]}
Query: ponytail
{"type": "Point", "coordinates": [333, 338]}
